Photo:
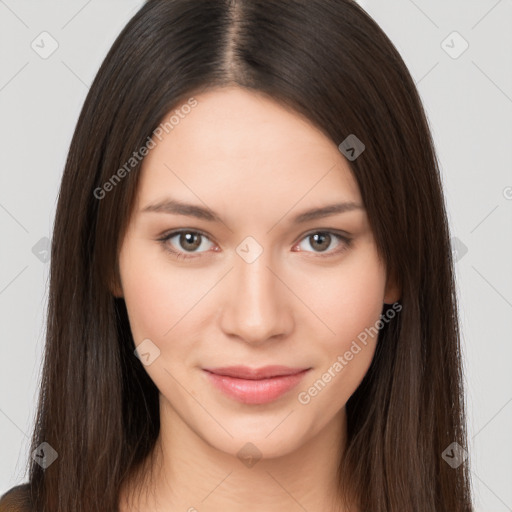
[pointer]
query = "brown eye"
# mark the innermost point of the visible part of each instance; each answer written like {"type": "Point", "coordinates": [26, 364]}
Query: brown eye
{"type": "Point", "coordinates": [320, 241]}
{"type": "Point", "coordinates": [185, 242]}
{"type": "Point", "coordinates": [324, 242]}
{"type": "Point", "coordinates": [190, 240]}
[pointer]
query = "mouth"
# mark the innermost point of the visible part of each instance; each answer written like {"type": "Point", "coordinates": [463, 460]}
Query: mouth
{"type": "Point", "coordinates": [255, 385]}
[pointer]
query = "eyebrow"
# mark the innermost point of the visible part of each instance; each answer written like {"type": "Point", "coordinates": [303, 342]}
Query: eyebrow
{"type": "Point", "coordinates": [172, 206]}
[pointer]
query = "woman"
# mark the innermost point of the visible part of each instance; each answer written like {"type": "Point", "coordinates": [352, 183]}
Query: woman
{"type": "Point", "coordinates": [252, 298]}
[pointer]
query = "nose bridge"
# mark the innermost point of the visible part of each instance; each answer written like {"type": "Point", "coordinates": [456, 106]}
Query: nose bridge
{"type": "Point", "coordinates": [256, 307]}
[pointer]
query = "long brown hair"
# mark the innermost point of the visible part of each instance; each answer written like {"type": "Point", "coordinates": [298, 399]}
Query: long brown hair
{"type": "Point", "coordinates": [329, 61]}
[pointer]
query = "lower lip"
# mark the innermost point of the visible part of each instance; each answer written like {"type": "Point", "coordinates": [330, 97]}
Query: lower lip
{"type": "Point", "coordinates": [255, 391]}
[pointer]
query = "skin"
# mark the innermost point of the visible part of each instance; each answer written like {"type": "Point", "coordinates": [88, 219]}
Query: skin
{"type": "Point", "coordinates": [256, 164]}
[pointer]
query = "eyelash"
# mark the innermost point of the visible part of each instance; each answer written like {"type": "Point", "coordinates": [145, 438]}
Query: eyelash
{"type": "Point", "coordinates": [346, 242]}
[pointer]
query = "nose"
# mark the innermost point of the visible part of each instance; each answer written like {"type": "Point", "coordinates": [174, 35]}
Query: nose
{"type": "Point", "coordinates": [257, 306]}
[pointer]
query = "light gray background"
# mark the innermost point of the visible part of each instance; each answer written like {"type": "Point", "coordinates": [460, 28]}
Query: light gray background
{"type": "Point", "coordinates": [469, 103]}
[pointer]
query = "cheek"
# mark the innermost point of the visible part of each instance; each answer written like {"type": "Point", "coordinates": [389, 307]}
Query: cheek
{"type": "Point", "coordinates": [347, 300]}
{"type": "Point", "coordinates": [156, 297]}
{"type": "Point", "coordinates": [350, 303]}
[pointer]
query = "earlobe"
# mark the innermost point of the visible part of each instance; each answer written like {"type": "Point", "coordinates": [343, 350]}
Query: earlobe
{"type": "Point", "coordinates": [116, 291]}
{"type": "Point", "coordinates": [393, 291]}
{"type": "Point", "coordinates": [115, 286]}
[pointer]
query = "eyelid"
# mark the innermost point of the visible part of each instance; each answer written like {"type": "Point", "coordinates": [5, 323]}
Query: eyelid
{"type": "Point", "coordinates": [346, 240]}
{"type": "Point", "coordinates": [338, 232]}
{"type": "Point", "coordinates": [165, 237]}
{"type": "Point", "coordinates": [344, 236]}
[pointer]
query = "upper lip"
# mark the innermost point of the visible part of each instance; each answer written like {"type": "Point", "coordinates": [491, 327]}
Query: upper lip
{"type": "Point", "coordinates": [265, 372]}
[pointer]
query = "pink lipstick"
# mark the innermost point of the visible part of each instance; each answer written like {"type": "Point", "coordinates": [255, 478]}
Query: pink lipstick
{"type": "Point", "coordinates": [255, 385]}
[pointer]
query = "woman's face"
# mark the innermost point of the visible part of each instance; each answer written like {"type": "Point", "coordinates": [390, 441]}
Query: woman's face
{"type": "Point", "coordinates": [249, 282]}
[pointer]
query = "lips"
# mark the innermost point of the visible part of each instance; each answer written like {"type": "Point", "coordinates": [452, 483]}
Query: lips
{"type": "Point", "coordinates": [255, 385]}
{"type": "Point", "coordinates": [244, 372]}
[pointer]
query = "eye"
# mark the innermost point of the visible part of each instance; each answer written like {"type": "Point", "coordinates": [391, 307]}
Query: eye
{"type": "Point", "coordinates": [321, 241]}
{"type": "Point", "coordinates": [187, 241]}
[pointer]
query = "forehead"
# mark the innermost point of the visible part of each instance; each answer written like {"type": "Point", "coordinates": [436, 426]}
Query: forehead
{"type": "Point", "coordinates": [248, 146]}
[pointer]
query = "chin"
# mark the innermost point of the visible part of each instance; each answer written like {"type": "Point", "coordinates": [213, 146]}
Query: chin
{"type": "Point", "coordinates": [254, 437]}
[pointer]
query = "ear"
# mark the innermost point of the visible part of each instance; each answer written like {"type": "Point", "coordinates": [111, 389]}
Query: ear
{"type": "Point", "coordinates": [393, 291]}
{"type": "Point", "coordinates": [115, 285]}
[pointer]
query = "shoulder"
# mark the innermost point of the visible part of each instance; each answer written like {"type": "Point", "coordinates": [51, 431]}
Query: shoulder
{"type": "Point", "coordinates": [16, 499]}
